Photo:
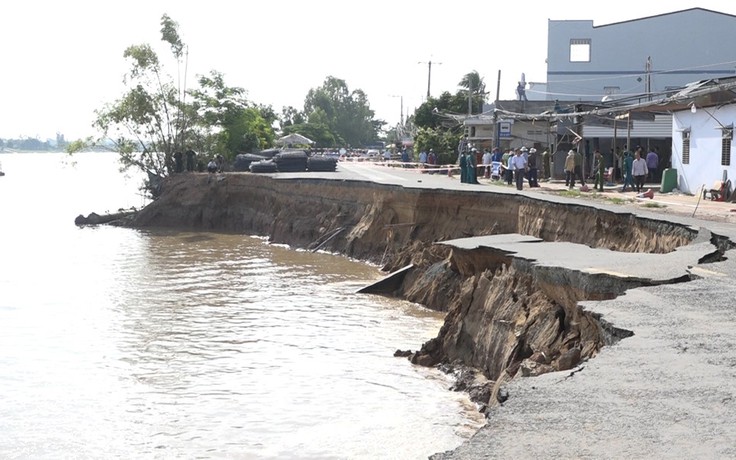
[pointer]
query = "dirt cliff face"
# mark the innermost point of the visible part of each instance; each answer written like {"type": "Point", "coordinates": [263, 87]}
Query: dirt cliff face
{"type": "Point", "coordinates": [380, 221]}
{"type": "Point", "coordinates": [503, 315]}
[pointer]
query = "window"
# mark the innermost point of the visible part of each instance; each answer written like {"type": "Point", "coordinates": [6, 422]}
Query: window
{"type": "Point", "coordinates": [726, 146]}
{"type": "Point", "coordinates": [580, 50]}
{"type": "Point", "coordinates": [686, 147]}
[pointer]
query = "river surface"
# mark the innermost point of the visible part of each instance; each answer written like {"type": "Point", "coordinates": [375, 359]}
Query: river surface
{"type": "Point", "coordinates": [121, 343]}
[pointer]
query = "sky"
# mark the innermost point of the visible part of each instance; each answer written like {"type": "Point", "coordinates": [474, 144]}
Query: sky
{"type": "Point", "coordinates": [62, 60]}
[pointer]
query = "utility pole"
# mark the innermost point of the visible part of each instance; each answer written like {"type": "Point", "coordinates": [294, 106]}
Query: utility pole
{"type": "Point", "coordinates": [495, 111]}
{"type": "Point", "coordinates": [429, 75]}
{"type": "Point", "coordinates": [401, 119]}
{"type": "Point", "coordinates": [648, 70]}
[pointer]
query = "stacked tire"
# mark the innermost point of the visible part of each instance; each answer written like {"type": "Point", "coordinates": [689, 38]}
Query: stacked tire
{"type": "Point", "coordinates": [291, 161]}
{"type": "Point", "coordinates": [244, 160]}
{"type": "Point", "coordinates": [322, 164]}
{"type": "Point", "coordinates": [263, 166]}
{"type": "Point", "coordinates": [269, 153]}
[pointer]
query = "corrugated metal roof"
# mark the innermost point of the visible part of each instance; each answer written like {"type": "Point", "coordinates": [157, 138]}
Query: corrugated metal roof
{"type": "Point", "coordinates": [660, 127]}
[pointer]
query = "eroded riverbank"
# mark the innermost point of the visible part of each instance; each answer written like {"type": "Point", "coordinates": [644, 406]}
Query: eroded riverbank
{"type": "Point", "coordinates": [507, 311]}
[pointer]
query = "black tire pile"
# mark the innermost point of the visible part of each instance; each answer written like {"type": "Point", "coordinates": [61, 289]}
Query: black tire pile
{"type": "Point", "coordinates": [269, 153]}
{"type": "Point", "coordinates": [291, 161]}
{"type": "Point", "coordinates": [243, 161]}
{"type": "Point", "coordinates": [322, 164]}
{"type": "Point", "coordinates": [263, 166]}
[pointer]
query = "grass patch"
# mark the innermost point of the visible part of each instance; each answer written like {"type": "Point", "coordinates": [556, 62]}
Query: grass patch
{"type": "Point", "coordinates": [654, 204]}
{"type": "Point", "coordinates": [570, 193]}
{"type": "Point", "coordinates": [616, 200]}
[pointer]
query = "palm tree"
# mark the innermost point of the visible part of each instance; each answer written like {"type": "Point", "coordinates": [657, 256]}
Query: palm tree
{"type": "Point", "coordinates": [476, 87]}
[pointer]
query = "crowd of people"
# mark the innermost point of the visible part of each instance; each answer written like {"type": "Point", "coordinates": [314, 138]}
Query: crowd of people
{"type": "Point", "coordinates": [513, 166]}
{"type": "Point", "coordinates": [188, 161]}
{"type": "Point", "coordinates": [517, 165]}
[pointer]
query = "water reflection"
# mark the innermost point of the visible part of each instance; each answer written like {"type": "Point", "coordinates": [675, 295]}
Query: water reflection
{"type": "Point", "coordinates": [122, 343]}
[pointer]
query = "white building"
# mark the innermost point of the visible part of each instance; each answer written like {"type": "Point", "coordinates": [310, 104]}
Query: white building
{"type": "Point", "coordinates": [701, 146]}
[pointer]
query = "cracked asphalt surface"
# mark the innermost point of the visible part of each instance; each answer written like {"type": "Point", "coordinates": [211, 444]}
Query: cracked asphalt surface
{"type": "Point", "coordinates": [669, 391]}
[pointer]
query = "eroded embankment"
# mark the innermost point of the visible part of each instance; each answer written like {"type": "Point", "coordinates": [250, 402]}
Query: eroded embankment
{"type": "Point", "coordinates": [380, 221]}
{"type": "Point", "coordinates": [504, 315]}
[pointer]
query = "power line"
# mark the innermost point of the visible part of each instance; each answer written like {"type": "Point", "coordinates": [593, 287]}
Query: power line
{"type": "Point", "coordinates": [643, 74]}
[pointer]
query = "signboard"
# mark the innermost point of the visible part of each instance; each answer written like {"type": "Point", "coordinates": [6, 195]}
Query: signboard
{"type": "Point", "coordinates": [504, 129]}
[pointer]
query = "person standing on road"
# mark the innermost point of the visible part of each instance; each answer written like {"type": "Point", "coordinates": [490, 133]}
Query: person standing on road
{"type": "Point", "coordinates": [628, 161]}
{"type": "Point", "coordinates": [579, 166]}
{"type": "Point", "coordinates": [519, 166]}
{"type": "Point", "coordinates": [570, 170]}
{"type": "Point", "coordinates": [471, 163]}
{"type": "Point", "coordinates": [532, 165]}
{"type": "Point", "coordinates": [423, 158]}
{"type": "Point", "coordinates": [546, 165]}
{"type": "Point", "coordinates": [599, 167]}
{"type": "Point", "coordinates": [639, 170]}
{"type": "Point", "coordinates": [487, 164]}
{"type": "Point", "coordinates": [463, 159]}
{"type": "Point", "coordinates": [506, 164]}
{"type": "Point", "coordinates": [652, 164]}
{"type": "Point", "coordinates": [432, 160]}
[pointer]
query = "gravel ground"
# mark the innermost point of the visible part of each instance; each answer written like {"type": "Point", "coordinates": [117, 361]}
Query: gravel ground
{"type": "Point", "coordinates": [667, 392]}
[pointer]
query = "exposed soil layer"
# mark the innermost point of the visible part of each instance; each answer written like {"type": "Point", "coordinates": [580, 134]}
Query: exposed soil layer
{"type": "Point", "coordinates": [506, 314]}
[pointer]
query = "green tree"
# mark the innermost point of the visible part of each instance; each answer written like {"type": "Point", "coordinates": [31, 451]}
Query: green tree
{"type": "Point", "coordinates": [317, 129]}
{"type": "Point", "coordinates": [291, 116]}
{"type": "Point", "coordinates": [475, 89]}
{"type": "Point", "coordinates": [268, 114]}
{"type": "Point", "coordinates": [226, 123]}
{"type": "Point", "coordinates": [158, 115]}
{"type": "Point", "coordinates": [151, 120]}
{"type": "Point", "coordinates": [442, 141]}
{"type": "Point", "coordinates": [442, 111]}
{"type": "Point", "coordinates": [348, 113]}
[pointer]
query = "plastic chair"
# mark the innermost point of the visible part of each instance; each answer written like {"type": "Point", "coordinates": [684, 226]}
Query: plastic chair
{"type": "Point", "coordinates": [719, 191]}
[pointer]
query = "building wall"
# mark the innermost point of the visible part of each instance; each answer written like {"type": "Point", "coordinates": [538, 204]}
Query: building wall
{"type": "Point", "coordinates": [684, 47]}
{"type": "Point", "coordinates": [704, 167]}
{"type": "Point", "coordinates": [528, 134]}
{"type": "Point", "coordinates": [661, 127]}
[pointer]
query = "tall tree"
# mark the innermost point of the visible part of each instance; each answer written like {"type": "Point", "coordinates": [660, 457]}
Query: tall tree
{"type": "Point", "coordinates": [436, 112]}
{"type": "Point", "coordinates": [159, 115]}
{"type": "Point", "coordinates": [291, 116]}
{"type": "Point", "coordinates": [317, 129]}
{"type": "Point", "coordinates": [475, 89]}
{"type": "Point", "coordinates": [226, 123]}
{"type": "Point", "coordinates": [348, 113]}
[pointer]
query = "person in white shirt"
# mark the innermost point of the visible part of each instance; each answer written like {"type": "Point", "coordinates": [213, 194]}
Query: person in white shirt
{"type": "Point", "coordinates": [518, 165]}
{"type": "Point", "coordinates": [639, 170]}
{"type": "Point", "coordinates": [487, 164]}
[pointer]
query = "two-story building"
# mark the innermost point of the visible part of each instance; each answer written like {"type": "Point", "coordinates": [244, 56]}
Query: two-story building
{"type": "Point", "coordinates": [637, 61]}
{"type": "Point", "coordinates": [640, 58]}
{"type": "Point", "coordinates": [627, 62]}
